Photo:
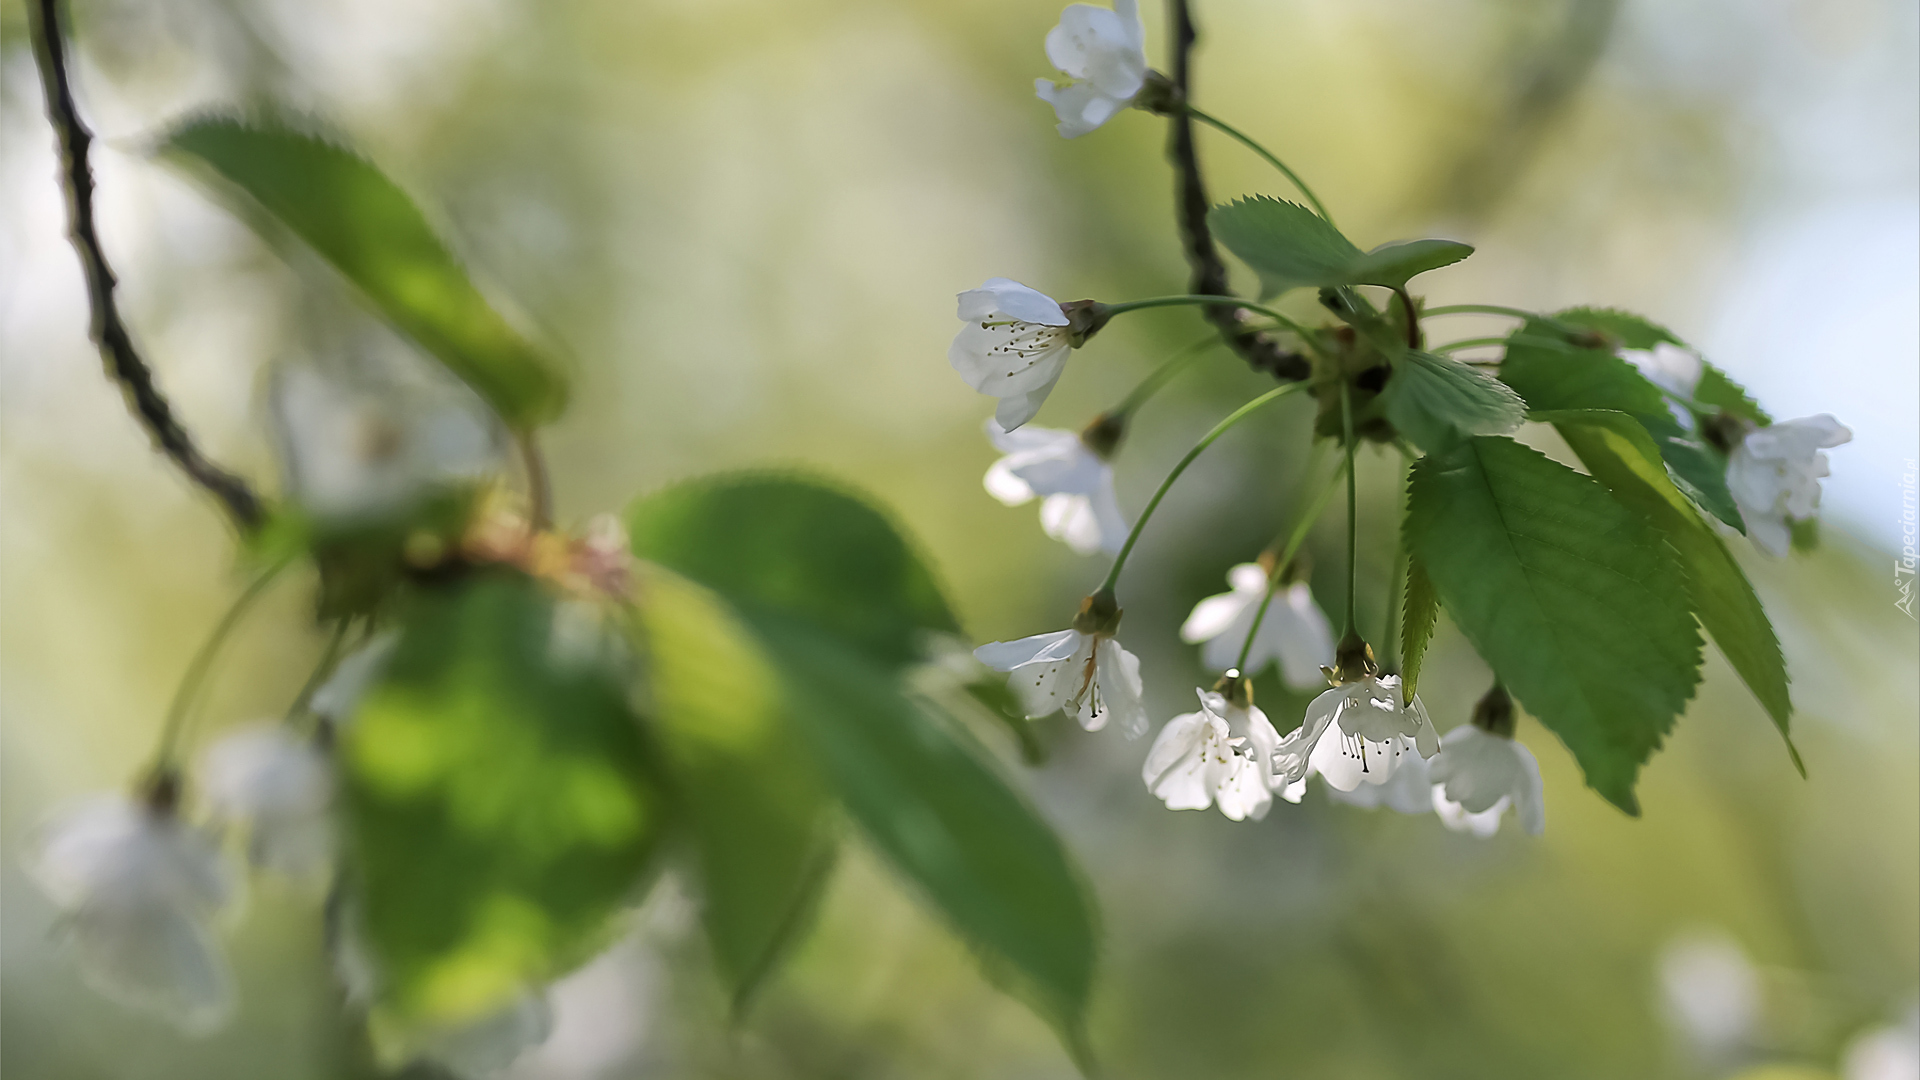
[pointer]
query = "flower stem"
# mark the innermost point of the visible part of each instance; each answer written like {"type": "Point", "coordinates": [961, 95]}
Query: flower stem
{"type": "Point", "coordinates": [1485, 309]}
{"type": "Point", "coordinates": [1294, 540]}
{"type": "Point", "coordinates": [329, 659]}
{"type": "Point", "coordinates": [1242, 139]}
{"type": "Point", "coordinates": [1468, 343]}
{"type": "Point", "coordinates": [164, 758]}
{"type": "Point", "coordinates": [1353, 566]}
{"type": "Point", "coordinates": [1183, 299]}
{"type": "Point", "coordinates": [1159, 378]}
{"type": "Point", "coordinates": [539, 486]}
{"type": "Point", "coordinates": [1219, 429]}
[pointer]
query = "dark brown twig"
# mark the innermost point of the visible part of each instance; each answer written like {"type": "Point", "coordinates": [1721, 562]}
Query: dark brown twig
{"type": "Point", "coordinates": [122, 361]}
{"type": "Point", "coordinates": [1257, 347]}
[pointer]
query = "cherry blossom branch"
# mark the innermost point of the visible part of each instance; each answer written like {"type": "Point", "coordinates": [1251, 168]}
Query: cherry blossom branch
{"type": "Point", "coordinates": [108, 332]}
{"type": "Point", "coordinates": [1209, 274]}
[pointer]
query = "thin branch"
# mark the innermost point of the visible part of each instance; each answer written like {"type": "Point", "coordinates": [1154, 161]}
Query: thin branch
{"type": "Point", "coordinates": [122, 361]}
{"type": "Point", "coordinates": [1257, 347]}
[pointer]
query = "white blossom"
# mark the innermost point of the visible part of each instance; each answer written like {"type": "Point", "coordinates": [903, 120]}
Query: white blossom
{"type": "Point", "coordinates": [1409, 790]}
{"type": "Point", "coordinates": [1885, 1053]}
{"type": "Point", "coordinates": [1672, 368]}
{"type": "Point", "coordinates": [1357, 733]}
{"type": "Point", "coordinates": [353, 452]}
{"type": "Point", "coordinates": [337, 698]}
{"type": "Point", "coordinates": [280, 788]}
{"type": "Point", "coordinates": [1711, 992]}
{"type": "Point", "coordinates": [1014, 347]}
{"type": "Point", "coordinates": [1103, 53]}
{"type": "Point", "coordinates": [1774, 474]}
{"type": "Point", "coordinates": [138, 890]}
{"type": "Point", "coordinates": [1076, 484]}
{"type": "Point", "coordinates": [1197, 761]}
{"type": "Point", "coordinates": [1294, 633]}
{"type": "Point", "coordinates": [1089, 676]}
{"type": "Point", "coordinates": [1477, 775]}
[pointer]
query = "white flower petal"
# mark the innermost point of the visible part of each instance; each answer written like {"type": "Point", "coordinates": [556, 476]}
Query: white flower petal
{"type": "Point", "coordinates": [1211, 617]}
{"type": "Point", "coordinates": [1038, 649]}
{"type": "Point", "coordinates": [1005, 485]}
{"type": "Point", "coordinates": [1117, 673]}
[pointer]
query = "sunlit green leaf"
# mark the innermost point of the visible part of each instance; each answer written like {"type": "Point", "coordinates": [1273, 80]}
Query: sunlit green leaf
{"type": "Point", "coordinates": [798, 546]}
{"type": "Point", "coordinates": [362, 223]}
{"type": "Point", "coordinates": [1554, 373]}
{"type": "Point", "coordinates": [1436, 401]}
{"type": "Point", "coordinates": [1421, 613]}
{"type": "Point", "coordinates": [933, 804]}
{"type": "Point", "coordinates": [1575, 601]}
{"type": "Point", "coordinates": [1618, 453]}
{"type": "Point", "coordinates": [1291, 247]}
{"type": "Point", "coordinates": [500, 801]}
{"type": "Point", "coordinates": [750, 794]}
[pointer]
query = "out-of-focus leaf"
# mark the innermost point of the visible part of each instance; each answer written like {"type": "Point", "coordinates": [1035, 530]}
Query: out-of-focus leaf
{"type": "Point", "coordinates": [932, 803]}
{"type": "Point", "coordinates": [1290, 247]}
{"type": "Point", "coordinates": [362, 223]}
{"type": "Point", "coordinates": [1436, 401]}
{"type": "Point", "coordinates": [1628, 330]}
{"type": "Point", "coordinates": [1575, 601]}
{"type": "Point", "coordinates": [500, 801]}
{"type": "Point", "coordinates": [750, 794]}
{"type": "Point", "coordinates": [1721, 392]}
{"type": "Point", "coordinates": [1618, 453]}
{"type": "Point", "coordinates": [1422, 613]}
{"type": "Point", "coordinates": [801, 547]}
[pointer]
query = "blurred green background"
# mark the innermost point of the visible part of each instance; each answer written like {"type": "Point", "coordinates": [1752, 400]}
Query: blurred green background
{"type": "Point", "coordinates": [744, 222]}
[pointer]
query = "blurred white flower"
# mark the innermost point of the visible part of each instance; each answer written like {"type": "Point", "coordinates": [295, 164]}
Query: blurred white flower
{"type": "Point", "coordinates": [1409, 790]}
{"type": "Point", "coordinates": [1088, 675]}
{"type": "Point", "coordinates": [1885, 1053]}
{"type": "Point", "coordinates": [1710, 991]}
{"type": "Point", "coordinates": [1080, 508]}
{"type": "Point", "coordinates": [1774, 474]}
{"type": "Point", "coordinates": [1357, 733]}
{"type": "Point", "coordinates": [1477, 775]}
{"type": "Point", "coordinates": [336, 698]}
{"type": "Point", "coordinates": [1294, 632]}
{"type": "Point", "coordinates": [280, 788]}
{"type": "Point", "coordinates": [1668, 366]}
{"type": "Point", "coordinates": [1672, 368]}
{"type": "Point", "coordinates": [138, 890]}
{"type": "Point", "coordinates": [1103, 53]}
{"type": "Point", "coordinates": [355, 452]}
{"type": "Point", "coordinates": [1196, 761]}
{"type": "Point", "coordinates": [1014, 346]}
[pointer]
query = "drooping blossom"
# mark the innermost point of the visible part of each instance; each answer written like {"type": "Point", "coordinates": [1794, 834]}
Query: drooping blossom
{"type": "Point", "coordinates": [1013, 346]}
{"type": "Point", "coordinates": [1478, 775]}
{"type": "Point", "coordinates": [1294, 632]}
{"type": "Point", "coordinates": [279, 788]}
{"type": "Point", "coordinates": [1774, 474]}
{"type": "Point", "coordinates": [1103, 53]}
{"type": "Point", "coordinates": [1357, 733]}
{"type": "Point", "coordinates": [1086, 674]}
{"type": "Point", "coordinates": [1075, 484]}
{"type": "Point", "coordinates": [1197, 761]}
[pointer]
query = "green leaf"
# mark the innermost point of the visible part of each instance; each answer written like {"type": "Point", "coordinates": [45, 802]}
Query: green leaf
{"type": "Point", "coordinates": [1421, 615]}
{"type": "Point", "coordinates": [930, 801]}
{"type": "Point", "coordinates": [1630, 331]}
{"type": "Point", "coordinates": [797, 546]}
{"type": "Point", "coordinates": [362, 223]}
{"type": "Point", "coordinates": [750, 794]}
{"type": "Point", "coordinates": [499, 798]}
{"type": "Point", "coordinates": [1555, 374]}
{"type": "Point", "coordinates": [1437, 401]}
{"type": "Point", "coordinates": [1721, 392]}
{"type": "Point", "coordinates": [1576, 602]}
{"type": "Point", "coordinates": [1620, 455]}
{"type": "Point", "coordinates": [1291, 247]}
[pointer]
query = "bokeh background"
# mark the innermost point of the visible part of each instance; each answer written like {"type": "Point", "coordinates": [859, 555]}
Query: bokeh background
{"type": "Point", "coordinates": [744, 222]}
